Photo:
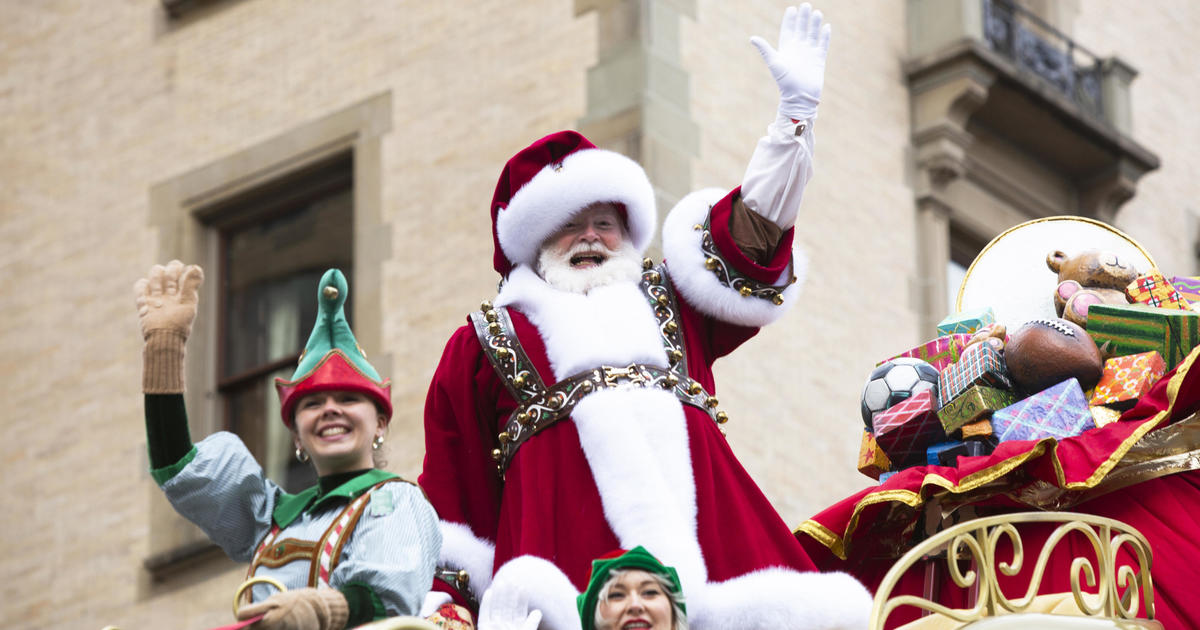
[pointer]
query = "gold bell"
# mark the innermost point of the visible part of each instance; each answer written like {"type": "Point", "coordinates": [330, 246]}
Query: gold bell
{"type": "Point", "coordinates": [463, 577]}
{"type": "Point", "coordinates": [671, 327]}
{"type": "Point", "coordinates": [670, 381]}
{"type": "Point", "coordinates": [330, 292]}
{"type": "Point", "coordinates": [654, 277]}
{"type": "Point", "coordinates": [495, 328]}
{"type": "Point", "coordinates": [485, 306]}
{"type": "Point", "coordinates": [497, 454]}
{"type": "Point", "coordinates": [676, 356]}
{"type": "Point", "coordinates": [523, 418]}
{"type": "Point", "coordinates": [777, 299]}
{"type": "Point", "coordinates": [491, 316]}
{"type": "Point", "coordinates": [722, 417]}
{"type": "Point", "coordinates": [647, 264]}
{"type": "Point", "coordinates": [695, 388]}
{"type": "Point", "coordinates": [554, 403]}
{"type": "Point", "coordinates": [505, 437]}
{"type": "Point", "coordinates": [745, 291]}
{"type": "Point", "coordinates": [710, 402]}
{"type": "Point", "coordinates": [503, 353]}
{"type": "Point", "coordinates": [710, 263]}
{"type": "Point", "coordinates": [663, 300]}
{"type": "Point", "coordinates": [519, 380]}
{"type": "Point", "coordinates": [586, 386]}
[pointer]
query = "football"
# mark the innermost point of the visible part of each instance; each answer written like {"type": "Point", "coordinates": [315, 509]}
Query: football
{"type": "Point", "coordinates": [1046, 352]}
{"type": "Point", "coordinates": [894, 381]}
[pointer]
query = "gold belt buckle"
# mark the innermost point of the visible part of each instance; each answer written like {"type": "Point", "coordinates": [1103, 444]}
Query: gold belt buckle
{"type": "Point", "coordinates": [613, 376]}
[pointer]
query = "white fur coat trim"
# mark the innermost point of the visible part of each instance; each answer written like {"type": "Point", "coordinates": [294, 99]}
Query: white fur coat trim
{"type": "Point", "coordinates": [771, 599]}
{"type": "Point", "coordinates": [548, 200]}
{"type": "Point", "coordinates": [635, 439]}
{"type": "Point", "coordinates": [462, 549]}
{"type": "Point", "coordinates": [699, 286]}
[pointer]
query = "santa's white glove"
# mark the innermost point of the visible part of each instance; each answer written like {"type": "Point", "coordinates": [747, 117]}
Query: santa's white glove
{"type": "Point", "coordinates": [798, 66]}
{"type": "Point", "coordinates": [433, 601]}
{"type": "Point", "coordinates": [527, 593]}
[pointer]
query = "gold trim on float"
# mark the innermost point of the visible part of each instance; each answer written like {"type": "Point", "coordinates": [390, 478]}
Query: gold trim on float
{"type": "Point", "coordinates": [1100, 224]}
{"type": "Point", "coordinates": [911, 498]}
{"type": "Point", "coordinates": [1118, 589]}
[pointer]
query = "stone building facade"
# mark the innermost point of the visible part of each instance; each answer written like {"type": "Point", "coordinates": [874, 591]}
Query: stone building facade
{"type": "Point", "coordinates": [139, 131]}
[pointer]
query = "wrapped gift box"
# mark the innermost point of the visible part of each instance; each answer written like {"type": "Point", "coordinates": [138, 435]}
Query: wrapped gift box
{"type": "Point", "coordinates": [1136, 328]}
{"type": "Point", "coordinates": [1188, 287]}
{"type": "Point", "coordinates": [939, 353]}
{"type": "Point", "coordinates": [1152, 289]}
{"type": "Point", "coordinates": [978, 429]}
{"type": "Point", "coordinates": [1126, 379]}
{"type": "Point", "coordinates": [1060, 411]}
{"type": "Point", "coordinates": [933, 453]}
{"type": "Point", "coordinates": [872, 461]}
{"type": "Point", "coordinates": [966, 322]}
{"type": "Point", "coordinates": [977, 403]}
{"type": "Point", "coordinates": [1104, 416]}
{"type": "Point", "coordinates": [905, 429]}
{"type": "Point", "coordinates": [981, 364]}
{"type": "Point", "coordinates": [966, 448]}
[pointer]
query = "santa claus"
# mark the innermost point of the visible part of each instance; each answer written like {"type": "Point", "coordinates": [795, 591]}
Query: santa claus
{"type": "Point", "coordinates": [574, 414]}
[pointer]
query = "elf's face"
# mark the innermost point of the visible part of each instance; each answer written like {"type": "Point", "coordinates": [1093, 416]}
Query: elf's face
{"type": "Point", "coordinates": [336, 428]}
{"type": "Point", "coordinates": [635, 600]}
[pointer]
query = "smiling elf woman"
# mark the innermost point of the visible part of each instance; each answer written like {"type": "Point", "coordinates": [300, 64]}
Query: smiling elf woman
{"type": "Point", "coordinates": [632, 589]}
{"type": "Point", "coordinates": [358, 546]}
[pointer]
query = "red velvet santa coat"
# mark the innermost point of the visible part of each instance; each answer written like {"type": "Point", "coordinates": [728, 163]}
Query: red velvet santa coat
{"type": "Point", "coordinates": [631, 466]}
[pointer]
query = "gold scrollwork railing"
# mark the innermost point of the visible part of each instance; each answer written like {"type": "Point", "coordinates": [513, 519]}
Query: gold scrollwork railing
{"type": "Point", "coordinates": [1113, 591]}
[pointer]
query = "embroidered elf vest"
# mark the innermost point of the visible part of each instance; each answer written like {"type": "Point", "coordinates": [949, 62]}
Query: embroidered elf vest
{"type": "Point", "coordinates": [323, 555]}
{"type": "Point", "coordinates": [539, 406]}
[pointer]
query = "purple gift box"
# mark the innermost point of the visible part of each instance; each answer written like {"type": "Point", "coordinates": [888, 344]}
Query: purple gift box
{"type": "Point", "coordinates": [980, 364]}
{"type": "Point", "coordinates": [1059, 412]}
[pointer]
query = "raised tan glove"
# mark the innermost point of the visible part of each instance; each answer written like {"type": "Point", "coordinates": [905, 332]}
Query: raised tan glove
{"type": "Point", "coordinates": [301, 609]}
{"type": "Point", "coordinates": [166, 301]}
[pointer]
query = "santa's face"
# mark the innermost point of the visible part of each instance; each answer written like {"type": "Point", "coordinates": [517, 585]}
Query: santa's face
{"type": "Point", "coordinates": [592, 249]}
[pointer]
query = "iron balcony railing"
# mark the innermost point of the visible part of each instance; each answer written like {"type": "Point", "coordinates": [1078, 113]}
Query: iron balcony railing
{"type": "Point", "coordinates": [1024, 38]}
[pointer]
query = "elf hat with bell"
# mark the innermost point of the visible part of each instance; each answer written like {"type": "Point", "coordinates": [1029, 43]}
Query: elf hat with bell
{"type": "Point", "coordinates": [332, 359]}
{"type": "Point", "coordinates": [636, 558]}
{"type": "Point", "coordinates": [546, 183]}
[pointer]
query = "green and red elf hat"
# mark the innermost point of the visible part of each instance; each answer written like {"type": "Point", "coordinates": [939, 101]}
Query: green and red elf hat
{"type": "Point", "coordinates": [332, 359]}
{"type": "Point", "coordinates": [636, 558]}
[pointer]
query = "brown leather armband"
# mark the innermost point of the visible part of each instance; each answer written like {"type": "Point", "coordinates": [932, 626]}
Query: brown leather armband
{"type": "Point", "coordinates": [162, 362]}
{"type": "Point", "coordinates": [757, 236]}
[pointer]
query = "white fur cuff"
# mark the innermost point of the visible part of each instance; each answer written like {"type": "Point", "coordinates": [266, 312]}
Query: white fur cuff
{"type": "Point", "coordinates": [462, 549]}
{"type": "Point", "coordinates": [699, 286]}
{"type": "Point", "coordinates": [781, 598]}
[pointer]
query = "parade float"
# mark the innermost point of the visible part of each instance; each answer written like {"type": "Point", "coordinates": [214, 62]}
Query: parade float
{"type": "Point", "coordinates": [1065, 381]}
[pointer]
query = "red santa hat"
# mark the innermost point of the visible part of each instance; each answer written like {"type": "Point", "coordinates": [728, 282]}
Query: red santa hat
{"type": "Point", "coordinates": [546, 183]}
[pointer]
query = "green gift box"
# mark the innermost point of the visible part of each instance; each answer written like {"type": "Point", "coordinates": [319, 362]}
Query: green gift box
{"type": "Point", "coordinates": [974, 404]}
{"type": "Point", "coordinates": [966, 322]}
{"type": "Point", "coordinates": [1135, 328]}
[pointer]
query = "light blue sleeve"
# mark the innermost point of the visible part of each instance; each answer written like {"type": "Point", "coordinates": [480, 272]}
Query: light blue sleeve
{"type": "Point", "coordinates": [226, 494]}
{"type": "Point", "coordinates": [393, 549]}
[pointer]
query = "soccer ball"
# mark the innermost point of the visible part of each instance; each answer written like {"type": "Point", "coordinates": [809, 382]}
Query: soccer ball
{"type": "Point", "coordinates": [894, 381]}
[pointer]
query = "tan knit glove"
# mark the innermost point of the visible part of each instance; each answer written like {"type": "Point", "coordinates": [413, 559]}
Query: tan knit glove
{"type": "Point", "coordinates": [166, 301]}
{"type": "Point", "coordinates": [301, 609]}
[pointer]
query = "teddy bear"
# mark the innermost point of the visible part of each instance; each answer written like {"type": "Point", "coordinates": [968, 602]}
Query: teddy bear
{"type": "Point", "coordinates": [1089, 277]}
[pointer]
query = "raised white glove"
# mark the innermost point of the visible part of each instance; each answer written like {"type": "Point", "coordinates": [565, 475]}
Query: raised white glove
{"type": "Point", "coordinates": [507, 609]}
{"type": "Point", "coordinates": [433, 601]}
{"type": "Point", "coordinates": [798, 66]}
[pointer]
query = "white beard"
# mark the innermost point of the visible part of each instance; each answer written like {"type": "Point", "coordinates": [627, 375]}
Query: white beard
{"type": "Point", "coordinates": [624, 264]}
